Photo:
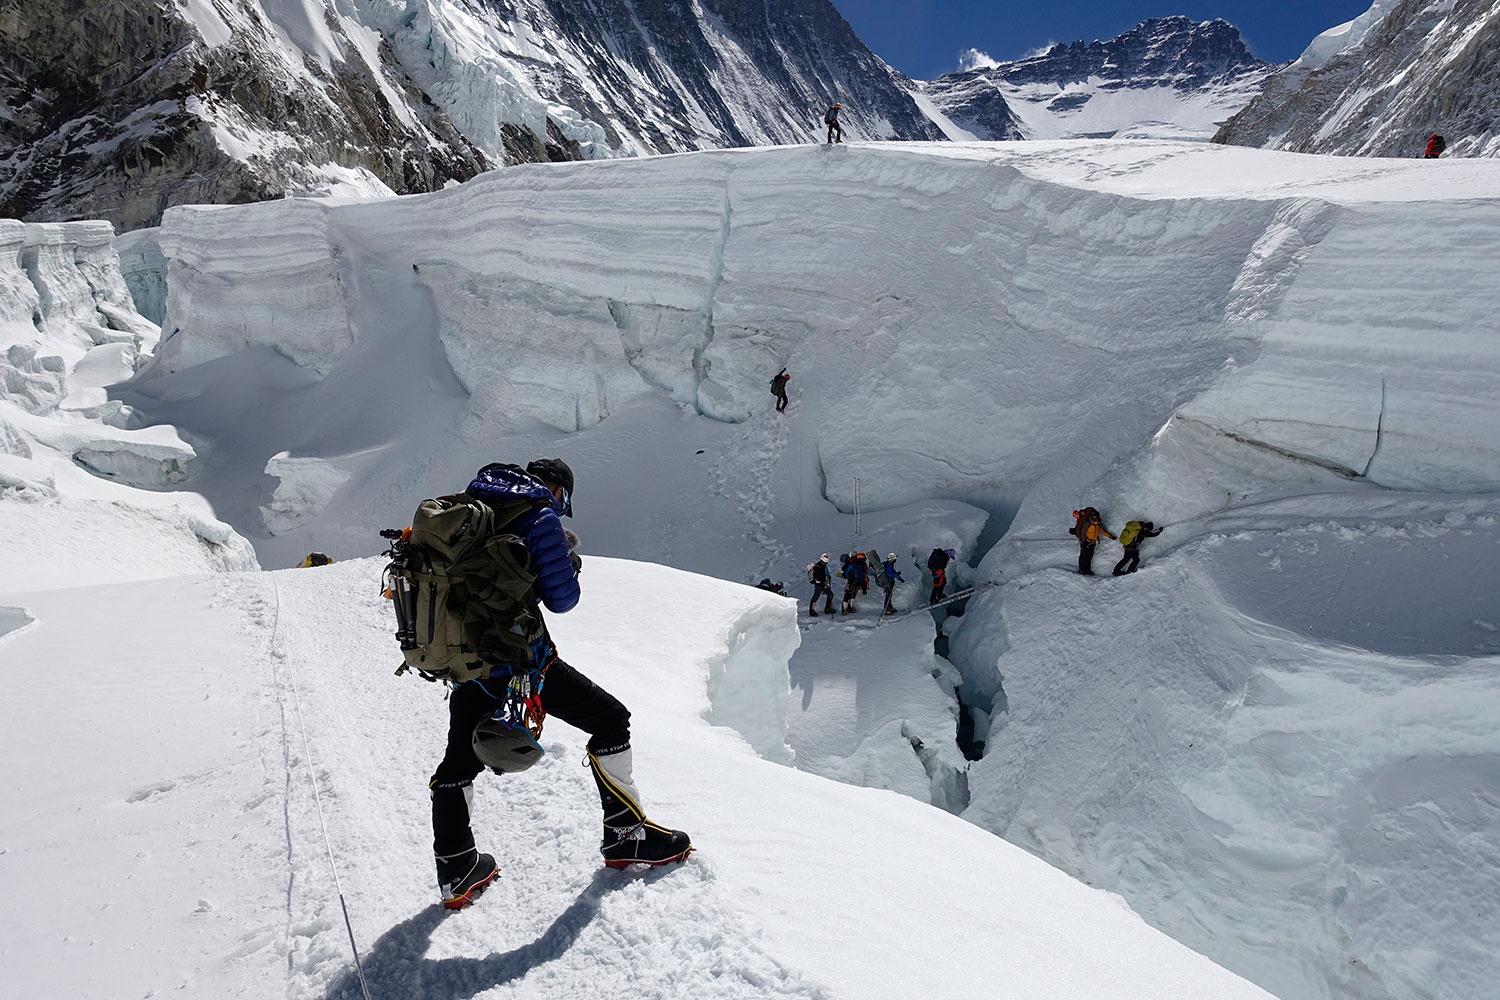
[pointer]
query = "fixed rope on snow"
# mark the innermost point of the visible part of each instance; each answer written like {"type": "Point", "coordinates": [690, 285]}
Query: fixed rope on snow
{"type": "Point", "coordinates": [318, 798]}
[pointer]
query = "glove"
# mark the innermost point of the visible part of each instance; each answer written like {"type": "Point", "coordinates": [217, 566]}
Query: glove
{"type": "Point", "coordinates": [577, 561]}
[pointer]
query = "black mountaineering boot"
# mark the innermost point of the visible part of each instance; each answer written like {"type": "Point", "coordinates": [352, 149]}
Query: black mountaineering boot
{"type": "Point", "coordinates": [462, 879]}
{"type": "Point", "coordinates": [647, 844]}
{"type": "Point", "coordinates": [630, 838]}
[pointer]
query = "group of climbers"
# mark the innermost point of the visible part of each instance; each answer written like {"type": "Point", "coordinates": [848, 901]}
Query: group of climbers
{"type": "Point", "coordinates": [856, 568]}
{"type": "Point", "coordinates": [1090, 525]}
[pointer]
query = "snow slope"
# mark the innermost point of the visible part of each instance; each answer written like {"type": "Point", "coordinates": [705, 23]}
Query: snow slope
{"type": "Point", "coordinates": [216, 851]}
{"type": "Point", "coordinates": [1277, 741]}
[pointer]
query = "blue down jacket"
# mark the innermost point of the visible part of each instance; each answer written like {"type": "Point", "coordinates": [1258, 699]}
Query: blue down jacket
{"type": "Point", "coordinates": [556, 582]}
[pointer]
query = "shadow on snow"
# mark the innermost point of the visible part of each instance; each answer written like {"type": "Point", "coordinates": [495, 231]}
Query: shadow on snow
{"type": "Point", "coordinates": [395, 967]}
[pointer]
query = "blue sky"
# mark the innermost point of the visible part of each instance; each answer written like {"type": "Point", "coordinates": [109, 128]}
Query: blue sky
{"type": "Point", "coordinates": [923, 38]}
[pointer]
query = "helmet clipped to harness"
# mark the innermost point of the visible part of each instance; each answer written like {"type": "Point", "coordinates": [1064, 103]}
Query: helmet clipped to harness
{"type": "Point", "coordinates": [506, 740]}
{"type": "Point", "coordinates": [504, 745]}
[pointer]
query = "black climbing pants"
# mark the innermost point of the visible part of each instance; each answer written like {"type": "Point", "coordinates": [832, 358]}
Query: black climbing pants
{"type": "Point", "coordinates": [1132, 556]}
{"type": "Point", "coordinates": [566, 694]}
{"type": "Point", "coordinates": [1086, 557]}
{"type": "Point", "coordinates": [824, 591]}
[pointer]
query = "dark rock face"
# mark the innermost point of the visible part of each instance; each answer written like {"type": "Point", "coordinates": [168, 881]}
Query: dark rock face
{"type": "Point", "coordinates": [666, 76]}
{"type": "Point", "coordinates": [1176, 53]}
{"type": "Point", "coordinates": [1179, 51]}
{"type": "Point", "coordinates": [117, 109]}
{"type": "Point", "coordinates": [1423, 68]}
{"type": "Point", "coordinates": [974, 104]}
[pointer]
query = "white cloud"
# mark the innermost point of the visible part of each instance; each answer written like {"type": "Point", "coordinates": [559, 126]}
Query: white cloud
{"type": "Point", "coordinates": [974, 59]}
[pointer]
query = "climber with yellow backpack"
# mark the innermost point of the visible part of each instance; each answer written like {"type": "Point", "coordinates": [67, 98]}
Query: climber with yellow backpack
{"type": "Point", "coordinates": [1131, 537]}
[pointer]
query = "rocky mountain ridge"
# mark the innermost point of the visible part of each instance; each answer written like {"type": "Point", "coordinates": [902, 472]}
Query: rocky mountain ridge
{"type": "Point", "coordinates": [118, 109]}
{"type": "Point", "coordinates": [1381, 84]}
{"type": "Point", "coordinates": [1166, 77]}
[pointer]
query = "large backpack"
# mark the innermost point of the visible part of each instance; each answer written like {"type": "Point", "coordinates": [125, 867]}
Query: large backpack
{"type": "Point", "coordinates": [830, 117]}
{"type": "Point", "coordinates": [1082, 518]}
{"type": "Point", "coordinates": [1130, 533]}
{"type": "Point", "coordinates": [937, 560]}
{"type": "Point", "coordinates": [465, 602]}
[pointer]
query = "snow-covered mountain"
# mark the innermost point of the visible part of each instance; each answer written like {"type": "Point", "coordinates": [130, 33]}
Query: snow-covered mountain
{"type": "Point", "coordinates": [118, 109]}
{"type": "Point", "coordinates": [1380, 84]}
{"type": "Point", "coordinates": [1168, 77]}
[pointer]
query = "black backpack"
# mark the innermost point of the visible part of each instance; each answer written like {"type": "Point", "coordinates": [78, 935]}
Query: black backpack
{"type": "Point", "coordinates": [938, 560]}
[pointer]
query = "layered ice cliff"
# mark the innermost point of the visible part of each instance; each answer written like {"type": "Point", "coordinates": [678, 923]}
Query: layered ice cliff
{"type": "Point", "coordinates": [72, 459]}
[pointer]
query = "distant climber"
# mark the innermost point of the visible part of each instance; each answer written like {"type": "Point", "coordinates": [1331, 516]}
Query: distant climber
{"type": "Point", "coordinates": [315, 559]}
{"type": "Point", "coordinates": [938, 562]}
{"type": "Point", "coordinates": [1088, 529]}
{"type": "Point", "coordinates": [1131, 537]}
{"type": "Point", "coordinates": [776, 588]}
{"type": "Point", "coordinates": [831, 119]}
{"type": "Point", "coordinates": [817, 575]}
{"type": "Point", "coordinates": [1435, 147]}
{"type": "Point", "coordinates": [778, 389]}
{"type": "Point", "coordinates": [889, 577]}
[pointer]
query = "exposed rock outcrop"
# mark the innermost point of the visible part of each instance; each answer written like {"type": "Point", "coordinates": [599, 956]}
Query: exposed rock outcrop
{"type": "Point", "coordinates": [1381, 84]}
{"type": "Point", "coordinates": [119, 109]}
